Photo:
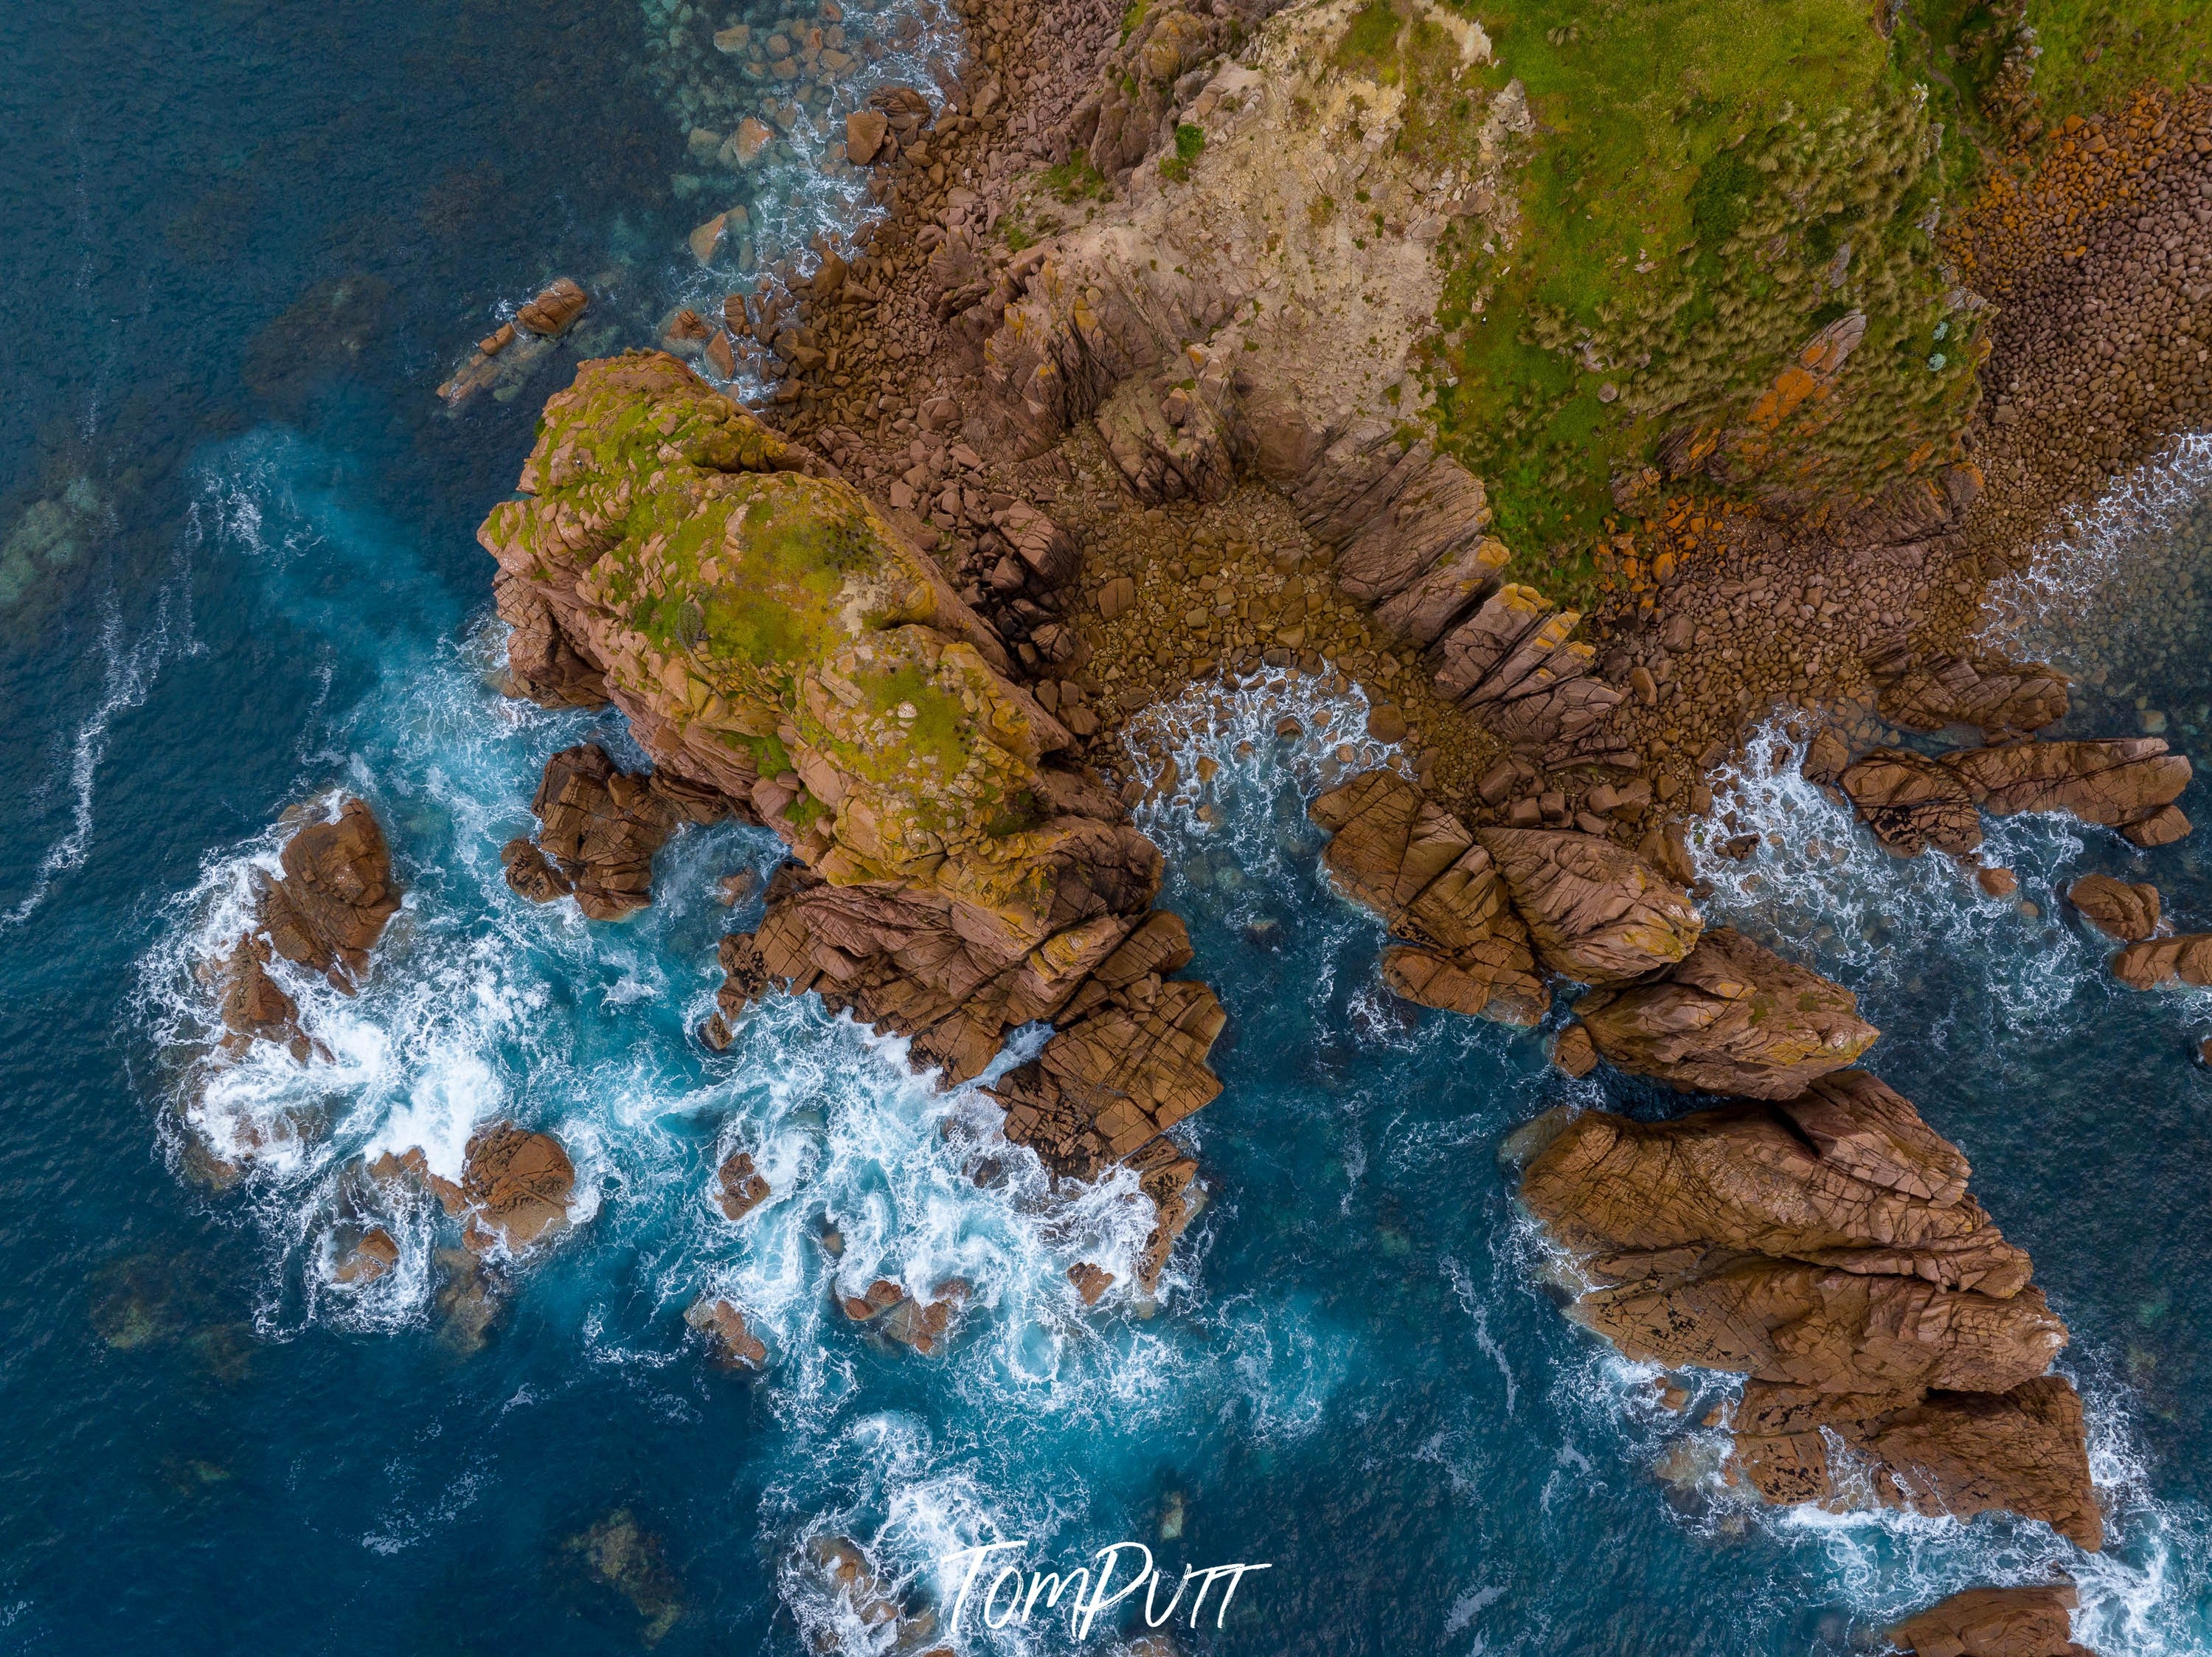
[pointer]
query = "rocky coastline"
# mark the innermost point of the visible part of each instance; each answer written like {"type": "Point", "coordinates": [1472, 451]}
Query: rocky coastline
{"type": "Point", "coordinates": [1111, 401]}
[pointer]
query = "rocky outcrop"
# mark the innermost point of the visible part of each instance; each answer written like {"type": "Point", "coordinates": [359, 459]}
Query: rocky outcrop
{"type": "Point", "coordinates": [2129, 913]}
{"type": "Point", "coordinates": [1416, 864]}
{"type": "Point", "coordinates": [1596, 911]}
{"type": "Point", "coordinates": [599, 827]}
{"type": "Point", "coordinates": [254, 1006]}
{"type": "Point", "coordinates": [370, 1254]}
{"type": "Point", "coordinates": [1731, 1018]}
{"type": "Point", "coordinates": [890, 1311]}
{"type": "Point", "coordinates": [1825, 1245]}
{"type": "Point", "coordinates": [329, 907]}
{"type": "Point", "coordinates": [777, 643]}
{"type": "Point", "coordinates": [2005, 699]}
{"type": "Point", "coordinates": [2156, 961]}
{"type": "Point", "coordinates": [515, 1187]}
{"type": "Point", "coordinates": [2030, 1621]}
{"type": "Point", "coordinates": [505, 356]}
{"type": "Point", "coordinates": [2128, 783]}
{"type": "Point", "coordinates": [739, 1188]}
{"type": "Point", "coordinates": [1913, 801]}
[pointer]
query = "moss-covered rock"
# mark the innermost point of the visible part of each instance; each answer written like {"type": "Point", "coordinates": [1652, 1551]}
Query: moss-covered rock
{"type": "Point", "coordinates": [769, 633]}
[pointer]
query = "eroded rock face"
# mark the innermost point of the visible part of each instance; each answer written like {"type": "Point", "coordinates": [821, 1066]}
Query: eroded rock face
{"type": "Point", "coordinates": [330, 906]}
{"type": "Point", "coordinates": [776, 643]}
{"type": "Point", "coordinates": [2115, 908]}
{"type": "Point", "coordinates": [1826, 1246]}
{"type": "Point", "coordinates": [515, 1187]}
{"type": "Point", "coordinates": [2005, 699]}
{"type": "Point", "coordinates": [600, 826]}
{"type": "Point", "coordinates": [2030, 1621]}
{"type": "Point", "coordinates": [1731, 1018]}
{"type": "Point", "coordinates": [1597, 912]}
{"type": "Point", "coordinates": [1415, 864]}
{"type": "Point", "coordinates": [1913, 802]}
{"type": "Point", "coordinates": [2128, 783]}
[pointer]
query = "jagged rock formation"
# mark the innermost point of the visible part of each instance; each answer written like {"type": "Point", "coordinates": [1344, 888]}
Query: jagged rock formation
{"type": "Point", "coordinates": [254, 1006]}
{"type": "Point", "coordinates": [2005, 699]}
{"type": "Point", "coordinates": [516, 1186]}
{"type": "Point", "coordinates": [2129, 913]}
{"type": "Point", "coordinates": [1826, 1246]}
{"type": "Point", "coordinates": [1597, 912]}
{"type": "Point", "coordinates": [601, 825]}
{"type": "Point", "coordinates": [775, 642]}
{"type": "Point", "coordinates": [506, 355]}
{"type": "Point", "coordinates": [1731, 1018]}
{"type": "Point", "coordinates": [330, 906]}
{"type": "Point", "coordinates": [1912, 801]}
{"type": "Point", "coordinates": [2128, 783]}
{"type": "Point", "coordinates": [1203, 368]}
{"type": "Point", "coordinates": [1415, 864]}
{"type": "Point", "coordinates": [2030, 1621]}
{"type": "Point", "coordinates": [735, 1345]}
{"type": "Point", "coordinates": [1479, 910]}
{"type": "Point", "coordinates": [739, 1187]}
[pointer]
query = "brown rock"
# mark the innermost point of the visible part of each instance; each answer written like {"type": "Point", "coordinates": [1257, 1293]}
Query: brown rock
{"type": "Point", "coordinates": [2029, 1621]}
{"type": "Point", "coordinates": [253, 1004]}
{"type": "Point", "coordinates": [330, 906]}
{"type": "Point", "coordinates": [1090, 1282]}
{"type": "Point", "coordinates": [600, 826]}
{"type": "Point", "coordinates": [411, 1168]}
{"type": "Point", "coordinates": [556, 308]}
{"type": "Point", "coordinates": [735, 1346]}
{"type": "Point", "coordinates": [740, 1188]}
{"type": "Point", "coordinates": [1416, 865]}
{"type": "Point", "coordinates": [531, 874]}
{"type": "Point", "coordinates": [514, 1188]}
{"type": "Point", "coordinates": [1828, 757]}
{"type": "Point", "coordinates": [1996, 882]}
{"type": "Point", "coordinates": [1913, 802]}
{"type": "Point", "coordinates": [1596, 911]}
{"type": "Point", "coordinates": [2156, 961]}
{"type": "Point", "coordinates": [1574, 1052]}
{"type": "Point", "coordinates": [1731, 1018]}
{"type": "Point", "coordinates": [2116, 909]}
{"type": "Point", "coordinates": [2123, 782]}
{"type": "Point", "coordinates": [2004, 699]}
{"type": "Point", "coordinates": [1386, 723]}
{"type": "Point", "coordinates": [865, 131]}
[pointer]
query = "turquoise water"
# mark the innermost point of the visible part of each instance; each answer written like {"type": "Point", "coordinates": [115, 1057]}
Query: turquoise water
{"type": "Point", "coordinates": [1354, 1372]}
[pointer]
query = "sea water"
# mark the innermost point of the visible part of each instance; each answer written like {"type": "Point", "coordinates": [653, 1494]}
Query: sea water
{"type": "Point", "coordinates": [253, 239]}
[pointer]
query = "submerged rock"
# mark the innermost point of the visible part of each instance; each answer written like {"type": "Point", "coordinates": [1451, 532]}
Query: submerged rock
{"type": "Point", "coordinates": [735, 1344]}
{"type": "Point", "coordinates": [2129, 913]}
{"type": "Point", "coordinates": [621, 1554]}
{"type": "Point", "coordinates": [1731, 1018]}
{"type": "Point", "coordinates": [1825, 1245]}
{"type": "Point", "coordinates": [2024, 1621]}
{"type": "Point", "coordinates": [368, 1257]}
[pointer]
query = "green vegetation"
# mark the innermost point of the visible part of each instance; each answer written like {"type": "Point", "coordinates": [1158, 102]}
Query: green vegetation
{"type": "Point", "coordinates": [1076, 179]}
{"type": "Point", "coordinates": [1712, 181]}
{"type": "Point", "coordinates": [1708, 183]}
{"type": "Point", "coordinates": [1190, 144]}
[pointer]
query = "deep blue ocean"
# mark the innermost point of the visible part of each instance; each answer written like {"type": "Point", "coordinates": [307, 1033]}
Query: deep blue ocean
{"type": "Point", "coordinates": [248, 239]}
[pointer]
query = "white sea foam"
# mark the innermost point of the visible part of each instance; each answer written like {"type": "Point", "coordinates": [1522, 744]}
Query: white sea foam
{"type": "Point", "coordinates": [2075, 578]}
{"type": "Point", "coordinates": [1819, 889]}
